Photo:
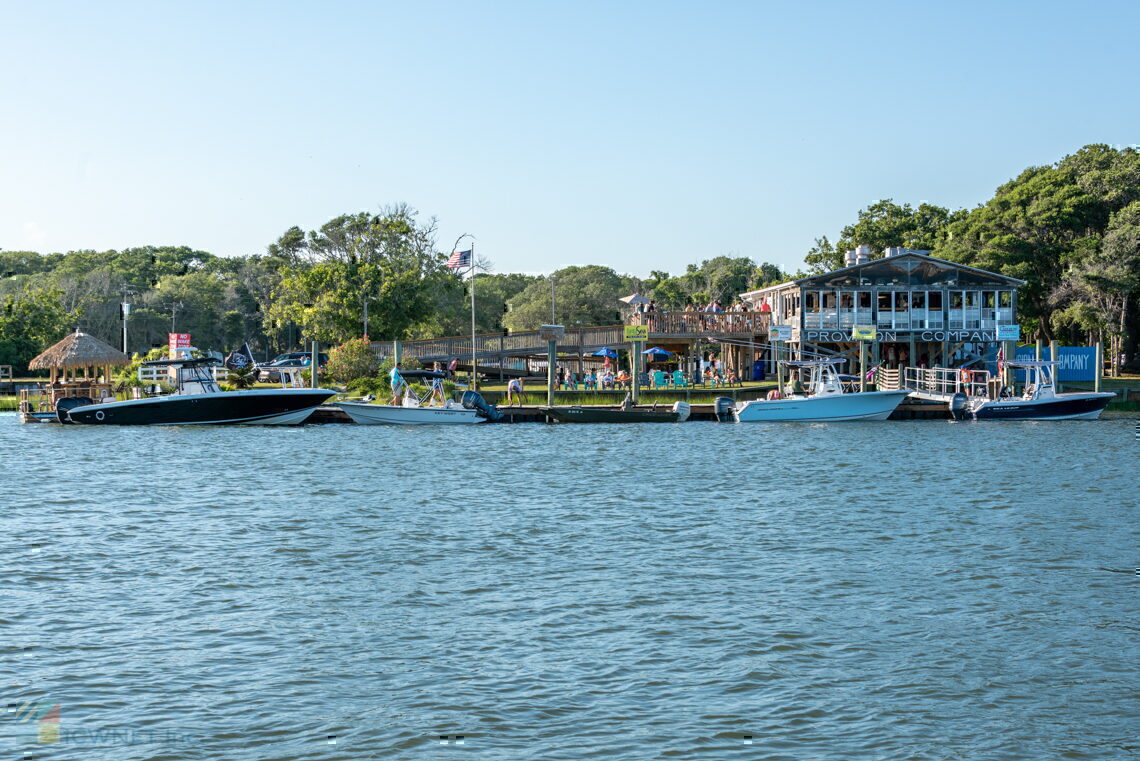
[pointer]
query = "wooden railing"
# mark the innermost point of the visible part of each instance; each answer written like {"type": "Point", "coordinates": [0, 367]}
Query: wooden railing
{"type": "Point", "coordinates": [529, 342]}
{"type": "Point", "coordinates": [701, 323]}
{"type": "Point", "coordinates": [524, 343]}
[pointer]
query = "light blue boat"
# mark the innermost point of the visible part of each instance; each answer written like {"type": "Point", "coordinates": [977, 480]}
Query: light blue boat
{"type": "Point", "coordinates": [823, 402]}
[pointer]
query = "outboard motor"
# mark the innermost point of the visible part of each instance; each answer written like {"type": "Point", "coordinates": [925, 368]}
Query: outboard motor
{"type": "Point", "coordinates": [725, 409]}
{"type": "Point", "coordinates": [960, 406]}
{"type": "Point", "coordinates": [473, 400]}
{"type": "Point", "coordinates": [682, 410]}
{"type": "Point", "coordinates": [68, 403]}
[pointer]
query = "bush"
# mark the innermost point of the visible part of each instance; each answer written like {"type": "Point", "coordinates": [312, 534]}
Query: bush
{"type": "Point", "coordinates": [128, 376]}
{"type": "Point", "coordinates": [351, 361]}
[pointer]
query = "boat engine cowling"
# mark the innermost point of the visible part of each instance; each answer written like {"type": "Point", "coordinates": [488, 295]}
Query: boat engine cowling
{"type": "Point", "coordinates": [68, 403]}
{"type": "Point", "coordinates": [682, 410]}
{"type": "Point", "coordinates": [959, 406]}
{"type": "Point", "coordinates": [725, 409]}
{"type": "Point", "coordinates": [473, 400]}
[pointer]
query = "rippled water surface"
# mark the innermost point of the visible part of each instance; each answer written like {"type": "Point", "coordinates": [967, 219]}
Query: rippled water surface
{"type": "Point", "coordinates": [912, 590]}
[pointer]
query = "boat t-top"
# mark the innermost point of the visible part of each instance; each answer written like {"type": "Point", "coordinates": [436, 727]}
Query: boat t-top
{"type": "Point", "coordinates": [1038, 401]}
{"type": "Point", "coordinates": [823, 399]}
{"type": "Point", "coordinates": [197, 400]}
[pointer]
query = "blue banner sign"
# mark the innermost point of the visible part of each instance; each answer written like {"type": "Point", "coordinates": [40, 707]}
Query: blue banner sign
{"type": "Point", "coordinates": [1009, 332]}
{"type": "Point", "coordinates": [1078, 363]}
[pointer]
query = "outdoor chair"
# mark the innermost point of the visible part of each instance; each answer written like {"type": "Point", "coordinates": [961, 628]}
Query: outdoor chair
{"type": "Point", "coordinates": [679, 380]}
{"type": "Point", "coordinates": [659, 379]}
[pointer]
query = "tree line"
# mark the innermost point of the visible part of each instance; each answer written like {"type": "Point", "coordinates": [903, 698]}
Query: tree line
{"type": "Point", "coordinates": [379, 274]}
{"type": "Point", "coordinates": [1070, 229]}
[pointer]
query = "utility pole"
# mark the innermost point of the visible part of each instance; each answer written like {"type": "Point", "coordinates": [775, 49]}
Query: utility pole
{"type": "Point", "coordinates": [173, 306]}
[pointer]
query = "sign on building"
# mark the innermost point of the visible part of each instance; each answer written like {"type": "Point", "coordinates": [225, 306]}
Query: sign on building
{"type": "Point", "coordinates": [863, 333]}
{"type": "Point", "coordinates": [780, 333]}
{"type": "Point", "coordinates": [636, 333]}
{"type": "Point", "coordinates": [1009, 332]}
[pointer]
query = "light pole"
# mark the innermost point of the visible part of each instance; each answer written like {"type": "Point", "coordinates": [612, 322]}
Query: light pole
{"type": "Point", "coordinates": [471, 281]}
{"type": "Point", "coordinates": [125, 312]}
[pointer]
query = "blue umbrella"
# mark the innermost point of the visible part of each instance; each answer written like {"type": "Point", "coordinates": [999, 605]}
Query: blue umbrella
{"type": "Point", "coordinates": [657, 351]}
{"type": "Point", "coordinates": [605, 351]}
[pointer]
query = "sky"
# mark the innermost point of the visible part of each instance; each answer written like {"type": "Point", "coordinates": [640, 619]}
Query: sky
{"type": "Point", "coordinates": [638, 135]}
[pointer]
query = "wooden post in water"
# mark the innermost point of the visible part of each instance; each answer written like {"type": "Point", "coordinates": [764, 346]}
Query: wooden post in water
{"type": "Point", "coordinates": [314, 367]}
{"type": "Point", "coordinates": [1099, 365]}
{"type": "Point", "coordinates": [1053, 358]}
{"type": "Point", "coordinates": [551, 359]}
{"type": "Point", "coordinates": [634, 362]}
{"type": "Point", "coordinates": [779, 366]}
{"type": "Point", "coordinates": [862, 365]}
{"type": "Point", "coordinates": [1038, 346]}
{"type": "Point", "coordinates": [1008, 349]}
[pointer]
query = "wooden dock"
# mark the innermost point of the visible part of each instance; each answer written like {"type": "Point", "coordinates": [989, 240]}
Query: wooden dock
{"type": "Point", "coordinates": [530, 413]}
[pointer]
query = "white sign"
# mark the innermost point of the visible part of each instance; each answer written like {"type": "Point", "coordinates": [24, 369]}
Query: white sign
{"type": "Point", "coordinates": [780, 333]}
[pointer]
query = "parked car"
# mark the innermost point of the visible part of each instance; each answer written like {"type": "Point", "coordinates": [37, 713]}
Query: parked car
{"type": "Point", "coordinates": [266, 374]}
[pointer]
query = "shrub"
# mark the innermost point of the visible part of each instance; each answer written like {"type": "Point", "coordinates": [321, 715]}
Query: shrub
{"type": "Point", "coordinates": [351, 361]}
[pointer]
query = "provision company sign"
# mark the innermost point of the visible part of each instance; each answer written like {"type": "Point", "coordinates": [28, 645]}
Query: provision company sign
{"type": "Point", "coordinates": [890, 336]}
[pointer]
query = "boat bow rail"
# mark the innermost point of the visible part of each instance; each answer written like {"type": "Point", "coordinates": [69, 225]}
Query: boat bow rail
{"type": "Point", "coordinates": [940, 384]}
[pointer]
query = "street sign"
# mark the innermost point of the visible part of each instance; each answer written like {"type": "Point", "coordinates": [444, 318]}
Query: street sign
{"type": "Point", "coordinates": [1009, 332]}
{"type": "Point", "coordinates": [780, 333]}
{"type": "Point", "coordinates": [178, 341]}
{"type": "Point", "coordinates": [863, 333]}
{"type": "Point", "coordinates": [636, 333]}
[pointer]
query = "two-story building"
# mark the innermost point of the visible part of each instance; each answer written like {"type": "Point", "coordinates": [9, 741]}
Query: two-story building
{"type": "Point", "coordinates": [926, 311]}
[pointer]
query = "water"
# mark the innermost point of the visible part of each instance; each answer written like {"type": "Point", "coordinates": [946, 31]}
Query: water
{"type": "Point", "coordinates": [916, 590]}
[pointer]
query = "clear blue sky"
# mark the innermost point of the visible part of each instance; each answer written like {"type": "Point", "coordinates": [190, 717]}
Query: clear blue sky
{"type": "Point", "coordinates": [640, 135]}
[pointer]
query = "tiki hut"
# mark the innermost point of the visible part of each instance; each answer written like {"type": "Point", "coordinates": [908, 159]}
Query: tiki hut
{"type": "Point", "coordinates": [79, 350]}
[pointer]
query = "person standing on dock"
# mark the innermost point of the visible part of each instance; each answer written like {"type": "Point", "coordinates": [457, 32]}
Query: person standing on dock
{"type": "Point", "coordinates": [514, 390]}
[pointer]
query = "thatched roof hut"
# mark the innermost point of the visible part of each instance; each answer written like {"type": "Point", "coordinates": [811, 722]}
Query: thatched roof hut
{"type": "Point", "coordinates": [79, 350]}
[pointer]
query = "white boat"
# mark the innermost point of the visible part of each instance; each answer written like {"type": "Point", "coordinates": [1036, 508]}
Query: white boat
{"type": "Point", "coordinates": [824, 400]}
{"type": "Point", "coordinates": [1039, 400]}
{"type": "Point", "coordinates": [416, 411]}
{"type": "Point", "coordinates": [452, 413]}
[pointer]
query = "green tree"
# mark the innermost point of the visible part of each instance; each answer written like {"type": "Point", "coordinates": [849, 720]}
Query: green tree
{"type": "Point", "coordinates": [31, 321]}
{"type": "Point", "coordinates": [883, 224]}
{"type": "Point", "coordinates": [583, 296]}
{"type": "Point", "coordinates": [384, 262]}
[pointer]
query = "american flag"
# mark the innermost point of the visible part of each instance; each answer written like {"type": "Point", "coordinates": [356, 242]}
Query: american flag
{"type": "Point", "coordinates": [459, 260]}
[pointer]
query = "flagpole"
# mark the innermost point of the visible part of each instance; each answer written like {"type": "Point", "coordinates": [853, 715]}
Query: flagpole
{"type": "Point", "coordinates": [474, 382]}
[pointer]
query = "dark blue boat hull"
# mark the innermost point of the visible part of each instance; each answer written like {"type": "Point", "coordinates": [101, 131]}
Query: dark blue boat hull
{"type": "Point", "coordinates": [282, 407]}
{"type": "Point", "coordinates": [1059, 408]}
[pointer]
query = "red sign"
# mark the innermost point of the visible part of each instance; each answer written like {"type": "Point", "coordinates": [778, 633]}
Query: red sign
{"type": "Point", "coordinates": [179, 340]}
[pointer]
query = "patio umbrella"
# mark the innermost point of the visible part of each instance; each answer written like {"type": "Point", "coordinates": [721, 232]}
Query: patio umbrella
{"type": "Point", "coordinates": [657, 351]}
{"type": "Point", "coordinates": [605, 351]}
{"type": "Point", "coordinates": [634, 299]}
